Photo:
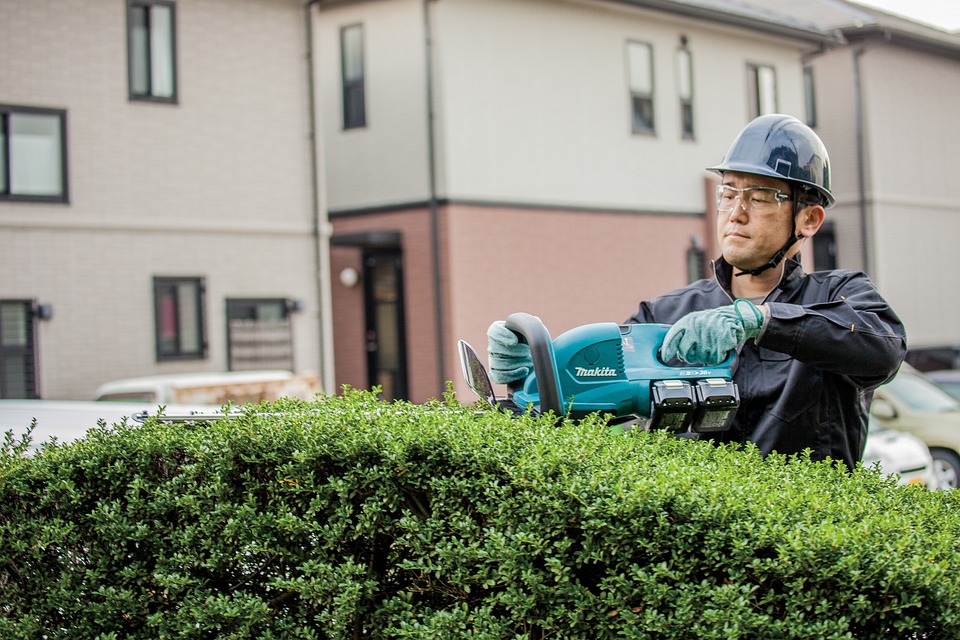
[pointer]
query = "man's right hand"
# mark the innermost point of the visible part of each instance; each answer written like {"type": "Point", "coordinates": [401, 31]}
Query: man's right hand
{"type": "Point", "coordinates": [510, 359]}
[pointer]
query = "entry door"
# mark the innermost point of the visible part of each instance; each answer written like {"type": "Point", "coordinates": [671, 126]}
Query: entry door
{"type": "Point", "coordinates": [18, 353]}
{"type": "Point", "coordinates": [385, 330]}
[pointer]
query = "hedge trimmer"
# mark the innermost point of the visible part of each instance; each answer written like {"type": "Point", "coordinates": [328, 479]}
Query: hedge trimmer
{"type": "Point", "coordinates": [611, 369]}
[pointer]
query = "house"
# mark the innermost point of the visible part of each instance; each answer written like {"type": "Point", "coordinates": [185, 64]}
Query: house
{"type": "Point", "coordinates": [157, 192]}
{"type": "Point", "coordinates": [886, 109]}
{"type": "Point", "coordinates": [482, 157]}
{"type": "Point", "coordinates": [348, 188]}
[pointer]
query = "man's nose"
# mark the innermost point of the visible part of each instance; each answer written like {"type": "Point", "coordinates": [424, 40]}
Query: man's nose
{"type": "Point", "coordinates": [739, 208]}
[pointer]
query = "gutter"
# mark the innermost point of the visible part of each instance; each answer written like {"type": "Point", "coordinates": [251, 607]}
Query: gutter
{"type": "Point", "coordinates": [322, 229]}
{"type": "Point", "coordinates": [861, 156]}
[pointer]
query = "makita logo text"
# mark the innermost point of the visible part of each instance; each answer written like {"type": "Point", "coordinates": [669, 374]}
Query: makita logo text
{"type": "Point", "coordinates": [596, 372]}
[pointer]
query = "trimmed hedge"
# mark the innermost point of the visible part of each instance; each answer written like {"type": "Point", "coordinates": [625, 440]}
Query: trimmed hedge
{"type": "Point", "coordinates": [349, 517]}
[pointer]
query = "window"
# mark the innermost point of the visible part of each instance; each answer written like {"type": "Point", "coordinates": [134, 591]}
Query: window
{"type": "Point", "coordinates": [18, 364]}
{"type": "Point", "coordinates": [825, 247]}
{"type": "Point", "coordinates": [178, 306]}
{"type": "Point", "coordinates": [640, 70]}
{"type": "Point", "coordinates": [809, 97]}
{"type": "Point", "coordinates": [151, 40]}
{"type": "Point", "coordinates": [685, 92]}
{"type": "Point", "coordinates": [762, 87]}
{"type": "Point", "coordinates": [33, 152]}
{"type": "Point", "coordinates": [259, 335]}
{"type": "Point", "coordinates": [696, 260]}
{"type": "Point", "coordinates": [351, 63]}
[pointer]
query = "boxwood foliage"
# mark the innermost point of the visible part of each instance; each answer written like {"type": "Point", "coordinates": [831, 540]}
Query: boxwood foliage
{"type": "Point", "coordinates": [349, 517]}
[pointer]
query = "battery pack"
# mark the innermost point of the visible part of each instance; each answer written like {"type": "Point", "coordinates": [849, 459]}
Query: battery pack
{"type": "Point", "coordinates": [672, 405]}
{"type": "Point", "coordinates": [717, 400]}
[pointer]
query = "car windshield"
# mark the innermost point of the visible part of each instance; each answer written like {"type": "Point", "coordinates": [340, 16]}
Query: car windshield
{"type": "Point", "coordinates": [920, 394]}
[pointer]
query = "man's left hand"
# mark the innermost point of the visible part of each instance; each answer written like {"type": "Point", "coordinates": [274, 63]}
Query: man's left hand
{"type": "Point", "coordinates": [706, 337]}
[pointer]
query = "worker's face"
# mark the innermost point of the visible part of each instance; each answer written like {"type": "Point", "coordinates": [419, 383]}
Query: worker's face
{"type": "Point", "coordinates": [748, 238]}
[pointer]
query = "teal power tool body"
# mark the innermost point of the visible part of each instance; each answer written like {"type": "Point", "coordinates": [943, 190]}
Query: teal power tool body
{"type": "Point", "coordinates": [611, 369]}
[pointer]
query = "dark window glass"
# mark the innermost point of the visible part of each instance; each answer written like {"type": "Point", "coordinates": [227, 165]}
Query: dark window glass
{"type": "Point", "coordinates": [179, 313]}
{"type": "Point", "coordinates": [351, 53]}
{"type": "Point", "coordinates": [640, 77]}
{"type": "Point", "coordinates": [685, 91]}
{"type": "Point", "coordinates": [809, 96]}
{"type": "Point", "coordinates": [18, 365]}
{"type": "Point", "coordinates": [762, 90]}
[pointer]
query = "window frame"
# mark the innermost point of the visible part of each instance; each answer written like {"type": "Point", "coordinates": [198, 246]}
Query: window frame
{"type": "Point", "coordinates": [25, 349]}
{"type": "Point", "coordinates": [150, 95]}
{"type": "Point", "coordinates": [353, 91]}
{"type": "Point", "coordinates": [644, 94]}
{"type": "Point", "coordinates": [6, 162]}
{"type": "Point", "coordinates": [235, 307]}
{"type": "Point", "coordinates": [685, 92]}
{"type": "Point", "coordinates": [180, 352]}
{"type": "Point", "coordinates": [757, 90]}
{"type": "Point", "coordinates": [809, 96]}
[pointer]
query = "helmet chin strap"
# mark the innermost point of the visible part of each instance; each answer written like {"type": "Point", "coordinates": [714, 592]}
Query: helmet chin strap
{"type": "Point", "coordinates": [779, 255]}
{"type": "Point", "coordinates": [775, 260]}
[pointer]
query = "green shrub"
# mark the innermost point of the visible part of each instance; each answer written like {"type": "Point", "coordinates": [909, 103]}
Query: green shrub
{"type": "Point", "coordinates": [349, 517]}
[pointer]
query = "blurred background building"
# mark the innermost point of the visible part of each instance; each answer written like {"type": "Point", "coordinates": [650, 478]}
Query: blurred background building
{"type": "Point", "coordinates": [350, 187]}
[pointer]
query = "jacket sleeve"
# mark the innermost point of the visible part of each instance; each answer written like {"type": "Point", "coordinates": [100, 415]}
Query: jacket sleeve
{"type": "Point", "coordinates": [852, 332]}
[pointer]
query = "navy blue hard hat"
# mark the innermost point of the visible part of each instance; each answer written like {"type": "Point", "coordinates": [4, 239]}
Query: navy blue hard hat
{"type": "Point", "coordinates": [780, 146]}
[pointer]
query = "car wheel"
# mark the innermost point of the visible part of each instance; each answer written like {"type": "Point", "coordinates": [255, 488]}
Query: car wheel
{"type": "Point", "coordinates": [946, 468]}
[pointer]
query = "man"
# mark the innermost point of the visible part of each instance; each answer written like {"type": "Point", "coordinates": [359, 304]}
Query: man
{"type": "Point", "coordinates": [811, 348]}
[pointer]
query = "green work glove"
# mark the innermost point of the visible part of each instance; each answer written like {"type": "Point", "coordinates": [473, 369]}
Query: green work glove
{"type": "Point", "coordinates": [706, 337]}
{"type": "Point", "coordinates": [510, 359]}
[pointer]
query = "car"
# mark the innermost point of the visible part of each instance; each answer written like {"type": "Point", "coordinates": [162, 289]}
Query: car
{"type": "Point", "coordinates": [899, 454]}
{"type": "Point", "coordinates": [912, 404]}
{"type": "Point", "coordinates": [946, 379]}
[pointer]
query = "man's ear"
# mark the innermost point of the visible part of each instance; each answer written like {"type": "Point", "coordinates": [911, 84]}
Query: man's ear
{"type": "Point", "coordinates": [809, 220]}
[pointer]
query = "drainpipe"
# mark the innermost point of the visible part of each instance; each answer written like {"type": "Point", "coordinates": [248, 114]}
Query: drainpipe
{"type": "Point", "coordinates": [322, 229]}
{"type": "Point", "coordinates": [861, 155]}
{"type": "Point", "coordinates": [434, 213]}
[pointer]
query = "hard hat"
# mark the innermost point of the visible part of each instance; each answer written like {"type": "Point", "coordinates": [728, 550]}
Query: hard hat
{"type": "Point", "coordinates": [780, 146]}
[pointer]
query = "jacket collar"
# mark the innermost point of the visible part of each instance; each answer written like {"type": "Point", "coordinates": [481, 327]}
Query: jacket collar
{"type": "Point", "coordinates": [792, 273]}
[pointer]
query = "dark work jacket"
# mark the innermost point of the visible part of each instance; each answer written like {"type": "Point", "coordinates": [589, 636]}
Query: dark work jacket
{"type": "Point", "coordinates": [808, 379]}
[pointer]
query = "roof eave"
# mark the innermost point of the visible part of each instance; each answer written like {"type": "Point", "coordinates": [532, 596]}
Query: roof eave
{"type": "Point", "coordinates": [947, 45]}
{"type": "Point", "coordinates": [811, 35]}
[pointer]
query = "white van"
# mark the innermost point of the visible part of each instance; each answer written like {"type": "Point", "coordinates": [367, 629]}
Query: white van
{"type": "Point", "coordinates": [216, 388]}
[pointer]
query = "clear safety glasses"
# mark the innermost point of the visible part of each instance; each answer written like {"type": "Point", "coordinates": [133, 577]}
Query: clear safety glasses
{"type": "Point", "coordinates": [759, 200]}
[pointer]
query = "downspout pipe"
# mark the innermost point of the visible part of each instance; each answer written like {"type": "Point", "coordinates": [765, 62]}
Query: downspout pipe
{"type": "Point", "coordinates": [434, 213]}
{"type": "Point", "coordinates": [322, 230]}
{"type": "Point", "coordinates": [861, 156]}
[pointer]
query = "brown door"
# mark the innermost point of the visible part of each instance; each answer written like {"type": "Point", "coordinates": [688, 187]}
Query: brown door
{"type": "Point", "coordinates": [385, 329]}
